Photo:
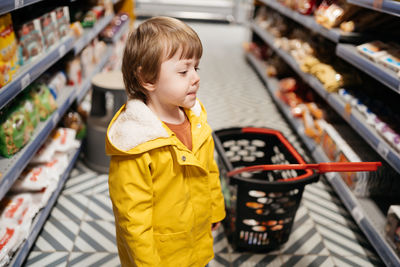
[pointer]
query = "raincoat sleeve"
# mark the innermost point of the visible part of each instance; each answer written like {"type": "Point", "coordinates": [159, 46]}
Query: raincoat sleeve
{"type": "Point", "coordinates": [218, 206]}
{"type": "Point", "coordinates": [131, 192]}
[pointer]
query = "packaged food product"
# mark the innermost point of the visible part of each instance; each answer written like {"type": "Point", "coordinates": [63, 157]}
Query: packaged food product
{"type": "Point", "coordinates": [48, 27]}
{"type": "Point", "coordinates": [17, 124]}
{"type": "Point", "coordinates": [9, 242]}
{"type": "Point", "coordinates": [373, 50]}
{"type": "Point", "coordinates": [77, 29]}
{"type": "Point", "coordinates": [56, 83]}
{"type": "Point", "coordinates": [307, 7]}
{"type": "Point", "coordinates": [17, 209]}
{"type": "Point", "coordinates": [87, 61]}
{"type": "Point", "coordinates": [30, 39]}
{"type": "Point", "coordinates": [392, 228]}
{"type": "Point", "coordinates": [391, 60]}
{"type": "Point", "coordinates": [74, 121]}
{"type": "Point", "coordinates": [64, 139]}
{"type": "Point", "coordinates": [43, 100]}
{"type": "Point", "coordinates": [8, 50]}
{"type": "Point", "coordinates": [62, 18]}
{"type": "Point", "coordinates": [33, 178]}
{"type": "Point", "coordinates": [74, 72]}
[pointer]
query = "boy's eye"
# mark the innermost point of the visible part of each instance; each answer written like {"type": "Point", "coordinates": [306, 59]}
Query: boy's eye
{"type": "Point", "coordinates": [196, 68]}
{"type": "Point", "coordinates": [183, 72]}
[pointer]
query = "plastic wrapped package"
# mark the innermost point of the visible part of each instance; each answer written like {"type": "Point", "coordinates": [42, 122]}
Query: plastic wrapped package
{"type": "Point", "coordinates": [74, 121]}
{"type": "Point", "coordinates": [17, 124]}
{"type": "Point", "coordinates": [42, 99]}
{"type": "Point", "coordinates": [33, 178]}
{"type": "Point", "coordinates": [74, 71]}
{"type": "Point", "coordinates": [8, 50]}
{"type": "Point", "coordinates": [30, 40]}
{"type": "Point", "coordinates": [62, 19]}
{"type": "Point", "coordinates": [10, 239]}
{"type": "Point", "coordinates": [48, 25]}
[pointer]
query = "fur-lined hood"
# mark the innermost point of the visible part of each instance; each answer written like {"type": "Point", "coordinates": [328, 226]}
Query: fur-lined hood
{"type": "Point", "coordinates": [135, 124]}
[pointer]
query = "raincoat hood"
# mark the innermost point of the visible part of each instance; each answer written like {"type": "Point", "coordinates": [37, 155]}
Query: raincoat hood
{"type": "Point", "coordinates": [136, 129]}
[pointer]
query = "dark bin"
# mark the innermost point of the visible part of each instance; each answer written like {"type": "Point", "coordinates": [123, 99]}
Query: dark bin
{"type": "Point", "coordinates": [260, 205]}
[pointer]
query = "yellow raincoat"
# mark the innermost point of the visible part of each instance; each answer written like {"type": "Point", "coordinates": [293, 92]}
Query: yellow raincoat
{"type": "Point", "coordinates": [165, 197]}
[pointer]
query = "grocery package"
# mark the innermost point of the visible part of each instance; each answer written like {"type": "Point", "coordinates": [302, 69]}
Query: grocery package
{"type": "Point", "coordinates": [17, 123]}
{"type": "Point", "coordinates": [99, 48]}
{"type": "Point", "coordinates": [30, 39]}
{"type": "Point", "coordinates": [73, 120]}
{"type": "Point", "coordinates": [48, 25]}
{"type": "Point", "coordinates": [43, 99]}
{"type": "Point", "coordinates": [307, 7]}
{"type": "Point", "coordinates": [62, 19]}
{"type": "Point", "coordinates": [373, 50]}
{"type": "Point", "coordinates": [114, 26]}
{"type": "Point", "coordinates": [8, 50]}
{"type": "Point", "coordinates": [10, 240]}
{"type": "Point", "coordinates": [331, 13]}
{"type": "Point", "coordinates": [392, 228]}
{"type": "Point", "coordinates": [87, 61]}
{"type": "Point", "coordinates": [61, 140]}
{"type": "Point", "coordinates": [91, 16]}
{"type": "Point", "coordinates": [56, 82]}
{"type": "Point", "coordinates": [74, 71]}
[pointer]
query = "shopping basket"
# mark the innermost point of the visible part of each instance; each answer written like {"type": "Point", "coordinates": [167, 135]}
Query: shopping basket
{"type": "Point", "coordinates": [262, 179]}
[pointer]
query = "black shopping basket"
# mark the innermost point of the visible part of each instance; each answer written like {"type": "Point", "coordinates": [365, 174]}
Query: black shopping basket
{"type": "Point", "coordinates": [262, 200]}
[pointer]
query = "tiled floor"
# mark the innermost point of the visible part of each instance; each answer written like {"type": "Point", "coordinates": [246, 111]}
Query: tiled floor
{"type": "Point", "coordinates": [80, 229]}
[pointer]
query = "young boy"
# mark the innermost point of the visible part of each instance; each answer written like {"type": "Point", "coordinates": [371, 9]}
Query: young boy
{"type": "Point", "coordinates": [163, 179]}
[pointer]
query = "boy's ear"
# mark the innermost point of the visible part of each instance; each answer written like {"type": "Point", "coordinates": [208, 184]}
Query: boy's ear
{"type": "Point", "coordinates": [147, 85]}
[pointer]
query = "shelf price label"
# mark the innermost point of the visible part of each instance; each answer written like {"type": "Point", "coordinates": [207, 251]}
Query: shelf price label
{"type": "Point", "coordinates": [18, 3]}
{"type": "Point", "coordinates": [358, 215]}
{"type": "Point", "coordinates": [347, 111]}
{"type": "Point", "coordinates": [25, 81]}
{"type": "Point", "coordinates": [61, 51]}
{"type": "Point", "coordinates": [383, 150]}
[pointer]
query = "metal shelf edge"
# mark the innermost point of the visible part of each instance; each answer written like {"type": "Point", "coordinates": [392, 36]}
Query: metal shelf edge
{"type": "Point", "coordinates": [389, 7]}
{"type": "Point", "coordinates": [41, 217]}
{"type": "Point", "coordinates": [11, 5]}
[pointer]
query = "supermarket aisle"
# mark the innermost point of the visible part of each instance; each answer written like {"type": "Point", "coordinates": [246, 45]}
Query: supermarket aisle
{"type": "Point", "coordinates": [80, 229]}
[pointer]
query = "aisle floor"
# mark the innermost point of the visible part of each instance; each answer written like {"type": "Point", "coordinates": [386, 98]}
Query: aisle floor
{"type": "Point", "coordinates": [80, 228]}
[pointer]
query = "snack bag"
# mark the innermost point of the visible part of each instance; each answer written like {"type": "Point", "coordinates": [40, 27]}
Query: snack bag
{"type": "Point", "coordinates": [15, 130]}
{"type": "Point", "coordinates": [43, 99]}
{"type": "Point", "coordinates": [8, 50]}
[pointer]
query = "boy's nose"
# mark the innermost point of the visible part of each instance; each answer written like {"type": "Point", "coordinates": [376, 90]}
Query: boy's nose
{"type": "Point", "coordinates": [195, 78]}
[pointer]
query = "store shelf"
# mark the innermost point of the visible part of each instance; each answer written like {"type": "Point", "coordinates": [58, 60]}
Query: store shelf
{"type": "Point", "coordinates": [272, 86]}
{"type": "Point", "coordinates": [90, 34]}
{"type": "Point", "coordinates": [387, 77]}
{"type": "Point", "coordinates": [335, 35]}
{"type": "Point", "coordinates": [356, 120]}
{"type": "Point", "coordinates": [385, 6]}
{"type": "Point", "coordinates": [84, 88]}
{"type": "Point", "coordinates": [121, 31]}
{"type": "Point", "coordinates": [10, 5]}
{"type": "Point", "coordinates": [364, 211]}
{"type": "Point", "coordinates": [37, 224]}
{"type": "Point", "coordinates": [310, 79]}
{"type": "Point", "coordinates": [32, 70]}
{"type": "Point", "coordinates": [11, 168]}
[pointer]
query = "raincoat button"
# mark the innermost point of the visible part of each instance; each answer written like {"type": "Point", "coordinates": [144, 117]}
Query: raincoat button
{"type": "Point", "coordinates": [183, 158]}
{"type": "Point", "coordinates": [198, 125]}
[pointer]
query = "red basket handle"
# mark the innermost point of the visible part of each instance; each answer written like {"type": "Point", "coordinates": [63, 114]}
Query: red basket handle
{"type": "Point", "coordinates": [320, 167]}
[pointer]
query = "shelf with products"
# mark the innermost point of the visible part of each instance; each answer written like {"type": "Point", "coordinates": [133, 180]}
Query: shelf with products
{"type": "Point", "coordinates": [11, 168]}
{"type": "Point", "coordinates": [38, 222]}
{"type": "Point", "coordinates": [386, 76]}
{"type": "Point", "coordinates": [386, 6]}
{"type": "Point", "coordinates": [33, 69]}
{"type": "Point", "coordinates": [90, 34]}
{"type": "Point", "coordinates": [365, 212]}
{"type": "Point", "coordinates": [86, 84]}
{"type": "Point", "coordinates": [10, 5]}
{"type": "Point", "coordinates": [335, 35]}
{"type": "Point", "coordinates": [353, 118]}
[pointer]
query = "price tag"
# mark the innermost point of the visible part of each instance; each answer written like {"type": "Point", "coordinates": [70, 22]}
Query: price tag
{"type": "Point", "coordinates": [347, 111]}
{"type": "Point", "coordinates": [25, 81]}
{"type": "Point", "coordinates": [18, 3]}
{"type": "Point", "coordinates": [383, 150]}
{"type": "Point", "coordinates": [357, 214]}
{"type": "Point", "coordinates": [55, 118]}
{"type": "Point", "coordinates": [61, 51]}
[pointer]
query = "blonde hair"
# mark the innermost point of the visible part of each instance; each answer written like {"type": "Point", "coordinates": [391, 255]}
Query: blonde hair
{"type": "Point", "coordinates": [154, 41]}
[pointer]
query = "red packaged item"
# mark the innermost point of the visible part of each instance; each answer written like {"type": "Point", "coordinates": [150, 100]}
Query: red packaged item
{"type": "Point", "coordinates": [307, 7]}
{"type": "Point", "coordinates": [9, 241]}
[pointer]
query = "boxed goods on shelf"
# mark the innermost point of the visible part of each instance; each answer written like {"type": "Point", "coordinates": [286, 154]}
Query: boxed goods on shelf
{"type": "Point", "coordinates": [392, 228]}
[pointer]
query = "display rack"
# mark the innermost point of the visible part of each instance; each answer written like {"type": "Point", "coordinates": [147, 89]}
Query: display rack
{"type": "Point", "coordinates": [335, 35]}
{"type": "Point", "coordinates": [11, 168]}
{"type": "Point", "coordinates": [90, 34]}
{"type": "Point", "coordinates": [365, 212]}
{"type": "Point", "coordinates": [354, 118]}
{"type": "Point", "coordinates": [385, 6]}
{"type": "Point", "coordinates": [386, 76]}
{"type": "Point", "coordinates": [32, 70]}
{"type": "Point", "coordinates": [10, 5]}
{"type": "Point", "coordinates": [40, 219]}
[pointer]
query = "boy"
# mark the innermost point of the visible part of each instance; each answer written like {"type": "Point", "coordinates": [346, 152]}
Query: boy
{"type": "Point", "coordinates": [163, 179]}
